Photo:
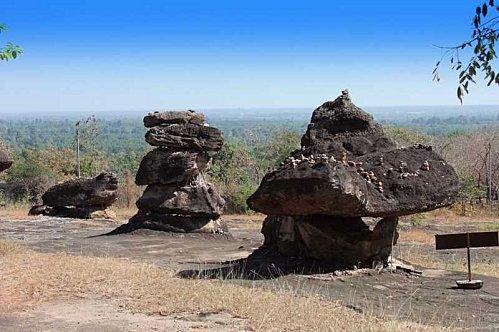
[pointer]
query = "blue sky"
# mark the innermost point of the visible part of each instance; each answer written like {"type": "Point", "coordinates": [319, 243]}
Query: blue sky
{"type": "Point", "coordinates": [123, 55]}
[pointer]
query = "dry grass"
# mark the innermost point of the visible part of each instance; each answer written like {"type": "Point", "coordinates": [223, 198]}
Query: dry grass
{"type": "Point", "coordinates": [456, 261]}
{"type": "Point", "coordinates": [416, 236]}
{"type": "Point", "coordinates": [15, 211]}
{"type": "Point", "coordinates": [28, 278]}
{"type": "Point", "coordinates": [124, 213]}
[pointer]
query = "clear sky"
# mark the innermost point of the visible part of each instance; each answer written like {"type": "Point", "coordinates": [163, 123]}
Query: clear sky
{"type": "Point", "coordinates": [121, 55]}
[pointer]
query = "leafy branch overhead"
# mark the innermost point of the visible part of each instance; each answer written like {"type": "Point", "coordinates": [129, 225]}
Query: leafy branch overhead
{"type": "Point", "coordinates": [482, 42]}
{"type": "Point", "coordinates": [9, 51]}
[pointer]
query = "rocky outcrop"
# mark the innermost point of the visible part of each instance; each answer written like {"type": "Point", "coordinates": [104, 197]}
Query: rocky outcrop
{"type": "Point", "coordinates": [346, 169]}
{"type": "Point", "coordinates": [177, 197]}
{"type": "Point", "coordinates": [79, 198]}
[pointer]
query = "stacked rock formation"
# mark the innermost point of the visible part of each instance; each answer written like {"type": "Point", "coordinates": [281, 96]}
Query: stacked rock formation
{"type": "Point", "coordinates": [347, 169]}
{"type": "Point", "coordinates": [80, 198]}
{"type": "Point", "coordinates": [177, 197]}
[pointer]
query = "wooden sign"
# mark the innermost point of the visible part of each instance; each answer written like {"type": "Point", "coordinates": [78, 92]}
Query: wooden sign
{"type": "Point", "coordinates": [459, 240]}
{"type": "Point", "coordinates": [467, 240]}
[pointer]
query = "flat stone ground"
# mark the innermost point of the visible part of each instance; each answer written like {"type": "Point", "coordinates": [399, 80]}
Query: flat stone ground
{"type": "Point", "coordinates": [426, 299]}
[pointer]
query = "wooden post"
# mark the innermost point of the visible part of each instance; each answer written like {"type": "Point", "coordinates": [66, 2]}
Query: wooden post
{"type": "Point", "coordinates": [468, 252]}
{"type": "Point", "coordinates": [78, 169]}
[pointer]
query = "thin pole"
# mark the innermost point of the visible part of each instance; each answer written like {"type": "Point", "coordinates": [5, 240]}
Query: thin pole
{"type": "Point", "coordinates": [468, 252]}
{"type": "Point", "coordinates": [78, 170]}
{"type": "Point", "coordinates": [490, 173]}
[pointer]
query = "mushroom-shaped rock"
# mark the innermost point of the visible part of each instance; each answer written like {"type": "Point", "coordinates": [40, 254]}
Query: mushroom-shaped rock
{"type": "Point", "coordinates": [346, 169]}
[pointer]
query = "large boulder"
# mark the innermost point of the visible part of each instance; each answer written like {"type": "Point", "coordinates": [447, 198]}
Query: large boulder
{"type": "Point", "coordinates": [162, 166]}
{"type": "Point", "coordinates": [390, 183]}
{"type": "Point", "coordinates": [5, 159]}
{"type": "Point", "coordinates": [346, 169]}
{"type": "Point", "coordinates": [100, 191]}
{"type": "Point", "coordinates": [339, 127]}
{"type": "Point", "coordinates": [170, 117]}
{"type": "Point", "coordinates": [186, 136]}
{"type": "Point", "coordinates": [196, 199]}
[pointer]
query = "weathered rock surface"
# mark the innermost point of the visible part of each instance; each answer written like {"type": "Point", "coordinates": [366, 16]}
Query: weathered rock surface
{"type": "Point", "coordinates": [347, 168]}
{"type": "Point", "coordinates": [5, 159]}
{"type": "Point", "coordinates": [373, 185]}
{"type": "Point", "coordinates": [177, 198]}
{"type": "Point", "coordinates": [163, 166]}
{"type": "Point", "coordinates": [196, 199]}
{"type": "Point", "coordinates": [163, 222]}
{"type": "Point", "coordinates": [339, 127]}
{"type": "Point", "coordinates": [186, 136]}
{"type": "Point", "coordinates": [170, 117]}
{"type": "Point", "coordinates": [100, 191]}
{"type": "Point", "coordinates": [347, 241]}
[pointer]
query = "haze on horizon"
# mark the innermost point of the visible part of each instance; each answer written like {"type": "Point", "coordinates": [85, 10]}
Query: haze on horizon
{"type": "Point", "coordinates": [123, 55]}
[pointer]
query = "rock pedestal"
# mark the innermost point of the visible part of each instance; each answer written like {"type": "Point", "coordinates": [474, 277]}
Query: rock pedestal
{"type": "Point", "coordinates": [177, 197]}
{"type": "Point", "coordinates": [84, 198]}
{"type": "Point", "coordinates": [346, 169]}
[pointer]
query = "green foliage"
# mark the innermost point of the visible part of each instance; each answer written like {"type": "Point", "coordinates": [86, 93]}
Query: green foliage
{"type": "Point", "coordinates": [9, 51]}
{"type": "Point", "coordinates": [238, 168]}
{"type": "Point", "coordinates": [234, 173]}
{"type": "Point", "coordinates": [484, 36]}
{"type": "Point", "coordinates": [471, 190]}
{"type": "Point", "coordinates": [407, 136]}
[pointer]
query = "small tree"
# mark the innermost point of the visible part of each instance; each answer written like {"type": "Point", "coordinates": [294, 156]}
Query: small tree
{"type": "Point", "coordinates": [484, 35]}
{"type": "Point", "coordinates": [9, 51]}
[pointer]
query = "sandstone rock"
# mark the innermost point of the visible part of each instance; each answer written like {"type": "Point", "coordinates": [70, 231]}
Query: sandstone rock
{"type": "Point", "coordinates": [186, 136]}
{"type": "Point", "coordinates": [339, 127]}
{"type": "Point", "coordinates": [100, 191]}
{"type": "Point", "coordinates": [379, 189]}
{"type": "Point", "coordinates": [170, 117]}
{"type": "Point", "coordinates": [162, 166]}
{"type": "Point", "coordinates": [196, 199]}
{"type": "Point", "coordinates": [347, 241]}
{"type": "Point", "coordinates": [5, 159]}
{"type": "Point", "coordinates": [347, 168]}
{"type": "Point", "coordinates": [163, 222]}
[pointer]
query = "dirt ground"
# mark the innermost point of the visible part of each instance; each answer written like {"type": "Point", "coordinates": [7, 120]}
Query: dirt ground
{"type": "Point", "coordinates": [427, 299]}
